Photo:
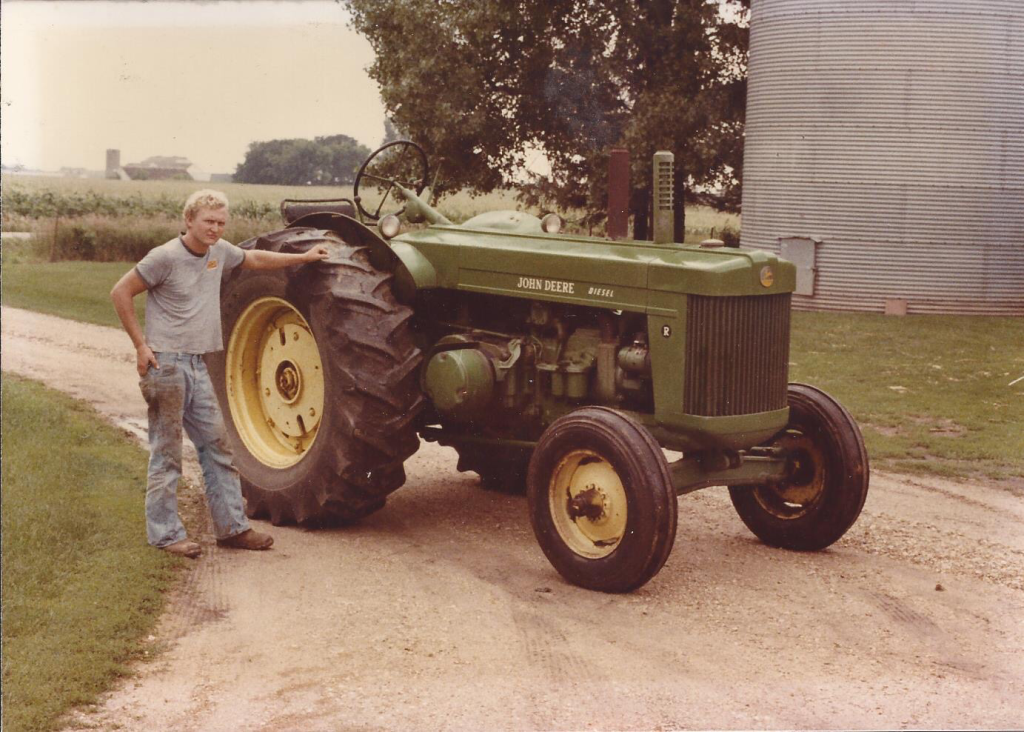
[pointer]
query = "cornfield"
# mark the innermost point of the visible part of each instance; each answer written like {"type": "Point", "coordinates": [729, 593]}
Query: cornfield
{"type": "Point", "coordinates": [112, 220]}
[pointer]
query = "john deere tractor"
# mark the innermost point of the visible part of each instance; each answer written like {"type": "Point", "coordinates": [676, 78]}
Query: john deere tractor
{"type": "Point", "coordinates": [557, 364]}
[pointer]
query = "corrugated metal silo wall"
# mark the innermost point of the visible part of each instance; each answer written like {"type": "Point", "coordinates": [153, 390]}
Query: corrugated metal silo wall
{"type": "Point", "coordinates": [892, 131]}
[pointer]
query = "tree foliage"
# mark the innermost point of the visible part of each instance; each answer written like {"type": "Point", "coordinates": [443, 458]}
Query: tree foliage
{"type": "Point", "coordinates": [480, 83]}
{"type": "Point", "coordinates": [391, 133]}
{"type": "Point", "coordinates": [331, 160]}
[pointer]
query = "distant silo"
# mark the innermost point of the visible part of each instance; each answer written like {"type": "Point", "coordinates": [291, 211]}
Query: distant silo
{"type": "Point", "coordinates": [885, 151]}
{"type": "Point", "coordinates": [113, 162]}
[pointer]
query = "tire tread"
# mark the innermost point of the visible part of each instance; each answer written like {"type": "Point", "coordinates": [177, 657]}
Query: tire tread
{"type": "Point", "coordinates": [371, 361]}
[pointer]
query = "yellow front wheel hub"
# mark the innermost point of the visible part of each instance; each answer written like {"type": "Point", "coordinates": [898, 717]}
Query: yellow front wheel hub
{"type": "Point", "coordinates": [805, 481]}
{"type": "Point", "coordinates": [588, 504]}
{"type": "Point", "coordinates": [275, 382]}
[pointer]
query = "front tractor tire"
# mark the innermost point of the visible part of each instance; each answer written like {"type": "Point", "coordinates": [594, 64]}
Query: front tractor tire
{"type": "Point", "coordinates": [601, 500]}
{"type": "Point", "coordinates": [318, 383]}
{"type": "Point", "coordinates": [827, 477]}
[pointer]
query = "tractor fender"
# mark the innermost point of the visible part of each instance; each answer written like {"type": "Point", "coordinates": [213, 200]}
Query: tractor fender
{"type": "Point", "coordinates": [415, 272]}
{"type": "Point", "coordinates": [411, 269]}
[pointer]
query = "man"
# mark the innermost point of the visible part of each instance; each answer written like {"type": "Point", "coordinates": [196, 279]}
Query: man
{"type": "Point", "coordinates": [182, 280]}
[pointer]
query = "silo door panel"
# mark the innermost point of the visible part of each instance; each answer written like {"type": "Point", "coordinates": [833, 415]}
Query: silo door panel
{"type": "Point", "coordinates": [801, 252]}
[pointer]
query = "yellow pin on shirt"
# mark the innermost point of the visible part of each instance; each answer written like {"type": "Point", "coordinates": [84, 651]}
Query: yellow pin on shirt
{"type": "Point", "coordinates": [212, 264]}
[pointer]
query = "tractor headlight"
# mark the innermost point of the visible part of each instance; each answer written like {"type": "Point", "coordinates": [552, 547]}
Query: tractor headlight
{"type": "Point", "coordinates": [551, 224]}
{"type": "Point", "coordinates": [389, 226]}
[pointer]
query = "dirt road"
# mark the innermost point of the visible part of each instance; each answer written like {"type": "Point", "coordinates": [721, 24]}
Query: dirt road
{"type": "Point", "coordinates": [440, 612]}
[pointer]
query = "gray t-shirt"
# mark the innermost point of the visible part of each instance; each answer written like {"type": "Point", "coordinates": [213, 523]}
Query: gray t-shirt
{"type": "Point", "coordinates": [183, 297]}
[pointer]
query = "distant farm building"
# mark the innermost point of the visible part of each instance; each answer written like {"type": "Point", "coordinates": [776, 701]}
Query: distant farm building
{"type": "Point", "coordinates": [161, 167]}
{"type": "Point", "coordinates": [157, 167]}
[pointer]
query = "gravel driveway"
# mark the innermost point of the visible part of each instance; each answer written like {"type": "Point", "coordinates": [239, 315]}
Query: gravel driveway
{"type": "Point", "coordinates": [441, 612]}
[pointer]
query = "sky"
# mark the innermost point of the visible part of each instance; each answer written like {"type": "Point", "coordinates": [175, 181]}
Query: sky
{"type": "Point", "coordinates": [197, 80]}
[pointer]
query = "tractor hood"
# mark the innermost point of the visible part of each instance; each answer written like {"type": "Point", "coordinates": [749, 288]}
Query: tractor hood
{"type": "Point", "coordinates": [624, 275]}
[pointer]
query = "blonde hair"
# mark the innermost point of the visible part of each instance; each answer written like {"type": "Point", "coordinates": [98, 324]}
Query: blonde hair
{"type": "Point", "coordinates": [205, 198]}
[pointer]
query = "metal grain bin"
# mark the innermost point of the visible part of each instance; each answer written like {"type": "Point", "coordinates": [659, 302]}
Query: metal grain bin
{"type": "Point", "coordinates": [885, 151]}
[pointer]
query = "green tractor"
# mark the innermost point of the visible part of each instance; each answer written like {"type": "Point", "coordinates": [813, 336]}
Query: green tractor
{"type": "Point", "coordinates": [562, 365]}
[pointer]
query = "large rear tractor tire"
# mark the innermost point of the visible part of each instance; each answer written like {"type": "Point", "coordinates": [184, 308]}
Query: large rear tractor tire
{"type": "Point", "coordinates": [827, 477]}
{"type": "Point", "coordinates": [318, 382]}
{"type": "Point", "coordinates": [601, 500]}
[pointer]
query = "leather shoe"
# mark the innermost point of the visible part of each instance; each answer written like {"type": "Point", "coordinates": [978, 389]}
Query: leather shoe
{"type": "Point", "coordinates": [184, 548]}
{"type": "Point", "coordinates": [248, 539]}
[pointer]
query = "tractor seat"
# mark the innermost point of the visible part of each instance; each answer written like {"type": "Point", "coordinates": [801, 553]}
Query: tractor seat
{"type": "Point", "coordinates": [292, 209]}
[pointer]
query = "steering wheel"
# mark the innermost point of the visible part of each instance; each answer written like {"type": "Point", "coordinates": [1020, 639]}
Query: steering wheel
{"type": "Point", "coordinates": [401, 162]}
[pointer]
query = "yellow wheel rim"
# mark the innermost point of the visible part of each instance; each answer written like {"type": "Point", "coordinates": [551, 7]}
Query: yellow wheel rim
{"type": "Point", "coordinates": [275, 382]}
{"type": "Point", "coordinates": [588, 504]}
{"type": "Point", "coordinates": [805, 483]}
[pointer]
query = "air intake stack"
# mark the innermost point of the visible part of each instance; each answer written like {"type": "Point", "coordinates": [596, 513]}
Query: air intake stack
{"type": "Point", "coordinates": [664, 206]}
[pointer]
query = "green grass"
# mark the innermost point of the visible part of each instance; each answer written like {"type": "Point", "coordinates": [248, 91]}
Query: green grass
{"type": "Point", "coordinates": [80, 586]}
{"type": "Point", "coordinates": [931, 393]}
{"type": "Point", "coordinates": [76, 290]}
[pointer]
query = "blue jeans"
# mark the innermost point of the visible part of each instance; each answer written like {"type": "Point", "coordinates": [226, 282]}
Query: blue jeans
{"type": "Point", "coordinates": [179, 394]}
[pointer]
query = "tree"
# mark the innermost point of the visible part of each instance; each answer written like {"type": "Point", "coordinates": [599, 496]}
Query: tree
{"type": "Point", "coordinates": [331, 160]}
{"type": "Point", "coordinates": [391, 132]}
{"type": "Point", "coordinates": [480, 82]}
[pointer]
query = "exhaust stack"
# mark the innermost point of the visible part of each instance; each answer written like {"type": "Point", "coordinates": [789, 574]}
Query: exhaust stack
{"type": "Point", "coordinates": [618, 194]}
{"type": "Point", "coordinates": [664, 192]}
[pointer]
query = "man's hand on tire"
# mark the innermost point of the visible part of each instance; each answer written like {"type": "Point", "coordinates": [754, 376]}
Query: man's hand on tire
{"type": "Point", "coordinates": [316, 254]}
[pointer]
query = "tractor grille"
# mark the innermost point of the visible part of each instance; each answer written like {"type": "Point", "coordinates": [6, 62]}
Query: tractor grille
{"type": "Point", "coordinates": [737, 355]}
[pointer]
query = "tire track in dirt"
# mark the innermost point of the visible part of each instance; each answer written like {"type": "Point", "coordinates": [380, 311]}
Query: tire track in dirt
{"type": "Point", "coordinates": [201, 597]}
{"type": "Point", "coordinates": [899, 612]}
